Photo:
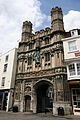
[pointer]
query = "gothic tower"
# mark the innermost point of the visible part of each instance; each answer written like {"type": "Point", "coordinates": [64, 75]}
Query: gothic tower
{"type": "Point", "coordinates": [26, 30]}
{"type": "Point", "coordinates": [41, 74]}
{"type": "Point", "coordinates": [57, 19]}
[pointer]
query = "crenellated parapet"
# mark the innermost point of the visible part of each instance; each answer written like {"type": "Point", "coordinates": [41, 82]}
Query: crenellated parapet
{"type": "Point", "coordinates": [56, 9]}
{"type": "Point", "coordinates": [42, 33]}
{"type": "Point", "coordinates": [56, 26]}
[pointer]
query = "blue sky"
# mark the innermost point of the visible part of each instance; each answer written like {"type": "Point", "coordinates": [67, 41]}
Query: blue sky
{"type": "Point", "coordinates": [66, 5]}
{"type": "Point", "coordinates": [14, 12]}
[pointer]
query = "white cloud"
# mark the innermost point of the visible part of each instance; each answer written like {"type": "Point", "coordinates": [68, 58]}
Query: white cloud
{"type": "Point", "coordinates": [12, 15]}
{"type": "Point", "coordinates": [72, 20]}
{"type": "Point", "coordinates": [14, 12]}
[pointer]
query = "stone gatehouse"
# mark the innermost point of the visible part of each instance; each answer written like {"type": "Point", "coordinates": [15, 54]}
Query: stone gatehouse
{"type": "Point", "coordinates": [41, 82]}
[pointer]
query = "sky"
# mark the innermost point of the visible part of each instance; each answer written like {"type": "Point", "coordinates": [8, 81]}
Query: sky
{"type": "Point", "coordinates": [14, 12]}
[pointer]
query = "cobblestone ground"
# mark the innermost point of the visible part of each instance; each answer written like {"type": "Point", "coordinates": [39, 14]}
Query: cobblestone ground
{"type": "Point", "coordinates": [28, 116]}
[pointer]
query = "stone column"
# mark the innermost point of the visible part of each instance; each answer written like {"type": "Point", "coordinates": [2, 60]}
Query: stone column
{"type": "Point", "coordinates": [34, 101]}
{"type": "Point", "coordinates": [33, 65]}
{"type": "Point", "coordinates": [43, 62]}
{"type": "Point", "coordinates": [61, 57]}
{"type": "Point", "coordinates": [31, 97]}
{"type": "Point", "coordinates": [22, 97]}
{"type": "Point", "coordinates": [59, 99]}
{"type": "Point", "coordinates": [55, 98]}
{"type": "Point", "coordinates": [52, 60]}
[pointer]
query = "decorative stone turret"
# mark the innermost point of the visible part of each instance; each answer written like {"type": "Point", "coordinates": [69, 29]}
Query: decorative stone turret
{"type": "Point", "coordinates": [57, 19]}
{"type": "Point", "coordinates": [26, 30]}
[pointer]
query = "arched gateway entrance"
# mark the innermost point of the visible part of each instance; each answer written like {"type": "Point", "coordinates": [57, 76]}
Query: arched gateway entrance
{"type": "Point", "coordinates": [44, 91]}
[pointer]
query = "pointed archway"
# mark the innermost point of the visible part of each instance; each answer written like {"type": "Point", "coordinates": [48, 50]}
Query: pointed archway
{"type": "Point", "coordinates": [44, 91]}
{"type": "Point", "coordinates": [27, 103]}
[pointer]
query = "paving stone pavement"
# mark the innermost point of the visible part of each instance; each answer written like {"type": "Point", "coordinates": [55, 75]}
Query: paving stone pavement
{"type": "Point", "coordinates": [29, 116]}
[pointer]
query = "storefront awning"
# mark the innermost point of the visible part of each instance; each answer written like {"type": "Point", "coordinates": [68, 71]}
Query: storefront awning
{"type": "Point", "coordinates": [74, 82]}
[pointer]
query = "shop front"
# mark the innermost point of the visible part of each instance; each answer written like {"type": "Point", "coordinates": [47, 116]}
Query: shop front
{"type": "Point", "coordinates": [75, 96]}
{"type": "Point", "coordinates": [1, 98]}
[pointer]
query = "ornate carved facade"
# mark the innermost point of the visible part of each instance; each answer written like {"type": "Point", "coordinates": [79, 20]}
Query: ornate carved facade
{"type": "Point", "coordinates": [41, 74]}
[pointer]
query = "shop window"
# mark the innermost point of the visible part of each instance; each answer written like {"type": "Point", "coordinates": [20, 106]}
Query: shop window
{"type": "Point", "coordinates": [72, 69]}
{"type": "Point", "coordinates": [76, 97]}
{"type": "Point", "coordinates": [78, 68]}
{"type": "Point", "coordinates": [74, 92]}
{"type": "Point", "coordinates": [78, 105]}
{"type": "Point", "coordinates": [72, 45]}
{"type": "Point", "coordinates": [78, 92]}
{"type": "Point", "coordinates": [29, 60]}
{"type": "Point", "coordinates": [5, 67]}
{"type": "Point", "coordinates": [3, 81]}
{"type": "Point", "coordinates": [47, 57]}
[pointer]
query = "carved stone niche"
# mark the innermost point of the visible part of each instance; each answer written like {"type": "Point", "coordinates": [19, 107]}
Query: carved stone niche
{"type": "Point", "coordinates": [60, 95]}
{"type": "Point", "coordinates": [27, 89]}
{"type": "Point", "coordinates": [38, 43]}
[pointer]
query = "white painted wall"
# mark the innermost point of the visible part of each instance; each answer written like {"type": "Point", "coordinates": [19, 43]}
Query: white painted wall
{"type": "Point", "coordinates": [11, 69]}
{"type": "Point", "coordinates": [67, 54]}
{"type": "Point", "coordinates": [69, 57]}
